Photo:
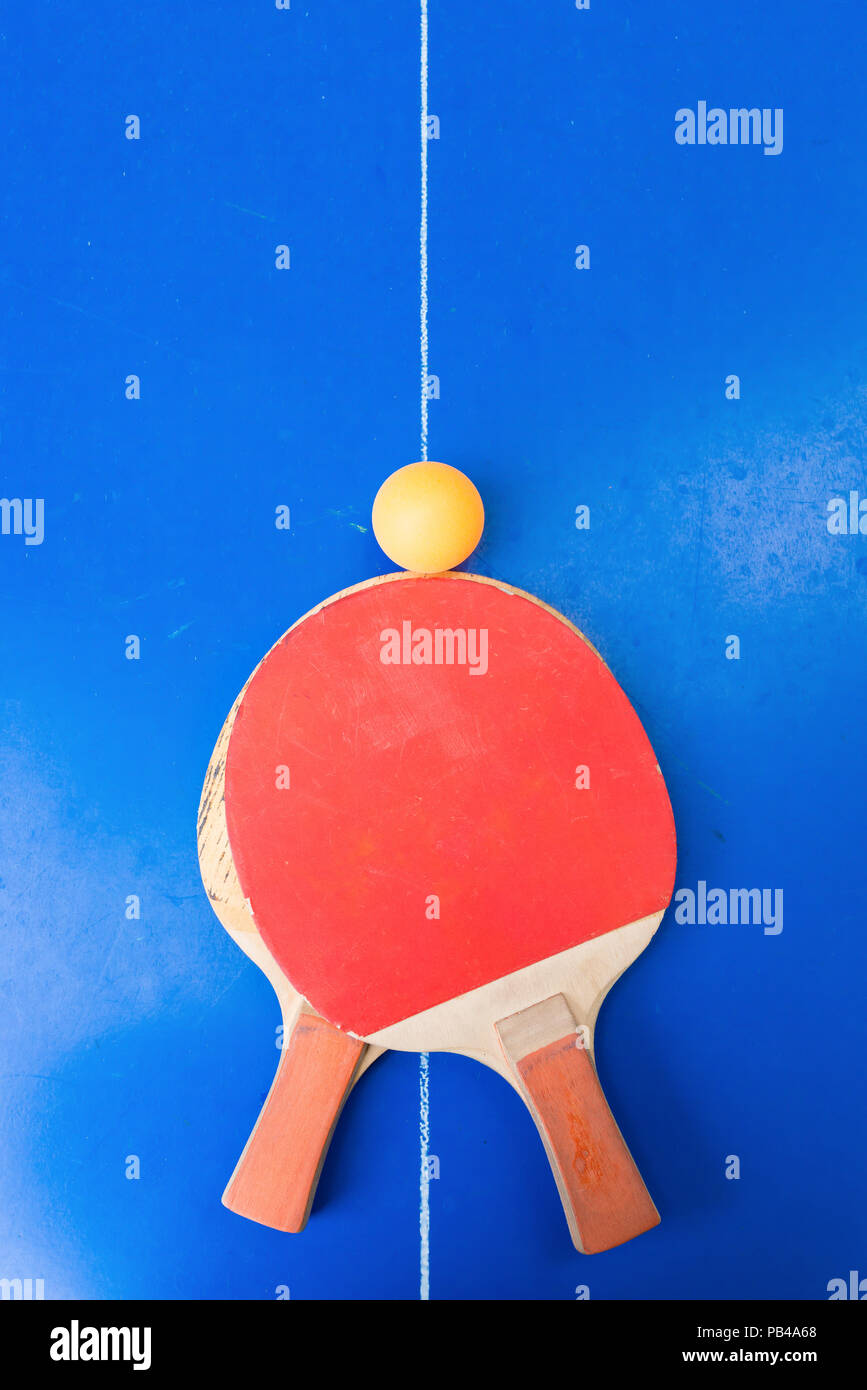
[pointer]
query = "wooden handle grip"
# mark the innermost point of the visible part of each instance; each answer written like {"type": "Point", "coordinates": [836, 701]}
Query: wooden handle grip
{"type": "Point", "coordinates": [605, 1200]}
{"type": "Point", "coordinates": [276, 1176]}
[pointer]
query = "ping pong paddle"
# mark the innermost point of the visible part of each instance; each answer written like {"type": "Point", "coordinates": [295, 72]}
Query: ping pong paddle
{"type": "Point", "coordinates": [436, 874]}
{"type": "Point", "coordinates": [275, 1179]}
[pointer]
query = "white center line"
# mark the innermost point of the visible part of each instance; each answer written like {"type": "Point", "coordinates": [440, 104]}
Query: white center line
{"type": "Point", "coordinates": [423, 233]}
{"type": "Point", "coordinates": [424, 1184]}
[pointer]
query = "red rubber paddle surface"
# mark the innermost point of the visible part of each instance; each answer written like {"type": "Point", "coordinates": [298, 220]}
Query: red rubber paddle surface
{"type": "Point", "coordinates": [409, 782]}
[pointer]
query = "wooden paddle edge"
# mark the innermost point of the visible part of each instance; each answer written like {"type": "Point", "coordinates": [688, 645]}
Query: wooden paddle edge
{"type": "Point", "coordinates": [583, 974]}
{"type": "Point", "coordinates": [220, 879]}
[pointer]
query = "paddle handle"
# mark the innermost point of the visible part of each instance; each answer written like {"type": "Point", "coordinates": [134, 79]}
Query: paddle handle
{"type": "Point", "coordinates": [604, 1197]}
{"type": "Point", "coordinates": [276, 1176]}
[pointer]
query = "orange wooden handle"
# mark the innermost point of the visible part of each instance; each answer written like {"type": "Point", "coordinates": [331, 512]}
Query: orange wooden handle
{"type": "Point", "coordinates": [276, 1176]}
{"type": "Point", "coordinates": [604, 1197]}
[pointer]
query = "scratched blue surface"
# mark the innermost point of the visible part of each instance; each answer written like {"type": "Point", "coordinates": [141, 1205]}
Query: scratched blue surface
{"type": "Point", "coordinates": [559, 387]}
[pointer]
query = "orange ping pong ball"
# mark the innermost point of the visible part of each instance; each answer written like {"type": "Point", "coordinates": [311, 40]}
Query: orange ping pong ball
{"type": "Point", "coordinates": [428, 517]}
